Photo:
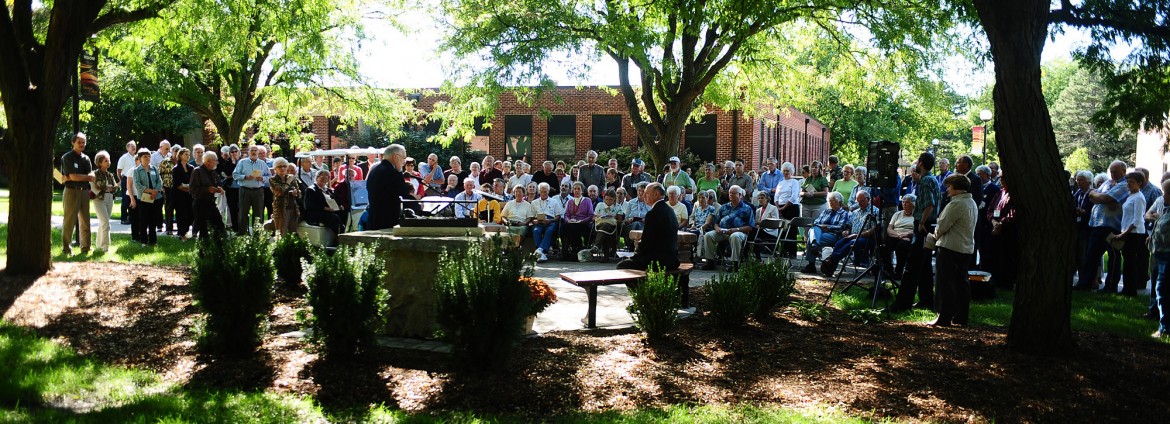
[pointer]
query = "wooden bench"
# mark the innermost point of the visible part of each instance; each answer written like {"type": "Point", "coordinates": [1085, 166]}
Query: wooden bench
{"type": "Point", "coordinates": [590, 280]}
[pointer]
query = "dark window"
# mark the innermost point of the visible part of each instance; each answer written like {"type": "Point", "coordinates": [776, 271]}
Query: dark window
{"type": "Point", "coordinates": [607, 132]}
{"type": "Point", "coordinates": [518, 136]}
{"type": "Point", "coordinates": [700, 138]}
{"type": "Point", "coordinates": [481, 129]}
{"type": "Point", "coordinates": [562, 137]}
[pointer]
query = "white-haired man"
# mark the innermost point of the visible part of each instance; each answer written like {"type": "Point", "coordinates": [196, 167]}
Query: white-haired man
{"type": "Point", "coordinates": [591, 173]}
{"type": "Point", "coordinates": [387, 187]}
{"type": "Point", "coordinates": [733, 222]}
{"type": "Point", "coordinates": [827, 229]}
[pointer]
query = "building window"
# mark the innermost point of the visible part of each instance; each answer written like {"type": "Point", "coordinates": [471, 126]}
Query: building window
{"type": "Point", "coordinates": [518, 136]}
{"type": "Point", "coordinates": [562, 137]}
{"type": "Point", "coordinates": [700, 138]}
{"type": "Point", "coordinates": [607, 132]}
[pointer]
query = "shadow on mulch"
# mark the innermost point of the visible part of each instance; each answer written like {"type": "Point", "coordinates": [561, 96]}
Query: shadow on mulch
{"type": "Point", "coordinates": [250, 373]}
{"type": "Point", "coordinates": [11, 287]}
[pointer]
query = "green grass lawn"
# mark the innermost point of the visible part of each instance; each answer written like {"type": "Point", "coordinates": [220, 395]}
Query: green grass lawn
{"type": "Point", "coordinates": [59, 210]}
{"type": "Point", "coordinates": [170, 251]}
{"type": "Point", "coordinates": [1091, 312]}
{"type": "Point", "coordinates": [44, 382]}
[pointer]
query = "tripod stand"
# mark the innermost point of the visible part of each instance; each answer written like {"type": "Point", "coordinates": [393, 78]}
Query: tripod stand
{"type": "Point", "coordinates": [876, 268]}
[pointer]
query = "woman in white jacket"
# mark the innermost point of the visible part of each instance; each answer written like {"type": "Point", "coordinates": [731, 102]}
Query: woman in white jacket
{"type": "Point", "coordinates": [955, 240]}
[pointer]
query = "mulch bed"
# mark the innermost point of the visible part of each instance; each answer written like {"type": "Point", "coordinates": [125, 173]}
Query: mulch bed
{"type": "Point", "coordinates": [142, 316]}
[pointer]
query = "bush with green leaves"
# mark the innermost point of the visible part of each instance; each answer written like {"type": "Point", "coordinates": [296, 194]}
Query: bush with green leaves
{"type": "Point", "coordinates": [482, 304]}
{"type": "Point", "coordinates": [287, 253]}
{"type": "Point", "coordinates": [732, 298]}
{"type": "Point", "coordinates": [811, 311]}
{"type": "Point", "coordinates": [232, 286]}
{"type": "Point", "coordinates": [772, 282]}
{"type": "Point", "coordinates": [347, 298]}
{"type": "Point", "coordinates": [654, 303]}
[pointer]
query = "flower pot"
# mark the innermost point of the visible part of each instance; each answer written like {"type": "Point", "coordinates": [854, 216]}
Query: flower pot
{"type": "Point", "coordinates": [528, 325]}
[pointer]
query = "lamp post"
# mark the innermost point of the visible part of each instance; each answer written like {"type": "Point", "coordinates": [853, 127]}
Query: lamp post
{"type": "Point", "coordinates": [985, 116]}
{"type": "Point", "coordinates": [934, 147]}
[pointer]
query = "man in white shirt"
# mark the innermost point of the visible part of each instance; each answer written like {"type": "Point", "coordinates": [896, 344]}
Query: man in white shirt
{"type": "Point", "coordinates": [125, 169]}
{"type": "Point", "coordinates": [163, 152]}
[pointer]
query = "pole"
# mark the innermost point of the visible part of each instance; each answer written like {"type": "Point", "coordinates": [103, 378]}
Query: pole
{"type": "Point", "coordinates": [806, 153]}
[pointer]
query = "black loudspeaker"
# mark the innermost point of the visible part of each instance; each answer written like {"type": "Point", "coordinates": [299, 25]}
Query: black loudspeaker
{"type": "Point", "coordinates": [882, 164]}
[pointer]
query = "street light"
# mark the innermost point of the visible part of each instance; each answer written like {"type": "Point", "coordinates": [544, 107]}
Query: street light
{"type": "Point", "coordinates": [934, 147]}
{"type": "Point", "coordinates": [985, 116]}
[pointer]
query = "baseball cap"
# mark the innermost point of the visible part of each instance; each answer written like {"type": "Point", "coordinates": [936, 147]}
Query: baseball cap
{"type": "Point", "coordinates": [636, 162]}
{"type": "Point", "coordinates": [674, 159]}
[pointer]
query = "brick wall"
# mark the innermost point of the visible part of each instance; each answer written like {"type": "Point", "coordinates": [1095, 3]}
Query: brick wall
{"type": "Point", "coordinates": [780, 135]}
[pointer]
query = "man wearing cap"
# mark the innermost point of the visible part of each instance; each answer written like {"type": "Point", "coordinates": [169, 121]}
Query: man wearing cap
{"type": "Point", "coordinates": [677, 177]}
{"type": "Point", "coordinates": [591, 173]}
{"type": "Point", "coordinates": [631, 180]}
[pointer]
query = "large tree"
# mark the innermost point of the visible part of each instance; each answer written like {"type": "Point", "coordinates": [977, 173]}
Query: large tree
{"type": "Point", "coordinates": [1016, 31]}
{"type": "Point", "coordinates": [261, 64]}
{"type": "Point", "coordinates": [1072, 121]}
{"type": "Point", "coordinates": [39, 46]}
{"type": "Point", "coordinates": [672, 56]}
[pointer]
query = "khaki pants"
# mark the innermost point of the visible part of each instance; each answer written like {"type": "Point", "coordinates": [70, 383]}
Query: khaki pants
{"type": "Point", "coordinates": [76, 205]}
{"type": "Point", "coordinates": [710, 242]}
{"type": "Point", "coordinates": [105, 206]}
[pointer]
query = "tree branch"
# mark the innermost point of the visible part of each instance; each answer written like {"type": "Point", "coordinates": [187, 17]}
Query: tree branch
{"type": "Point", "coordinates": [1128, 21]}
{"type": "Point", "coordinates": [123, 16]}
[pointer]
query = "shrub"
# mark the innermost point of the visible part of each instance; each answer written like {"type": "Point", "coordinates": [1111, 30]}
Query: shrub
{"type": "Point", "coordinates": [810, 311]}
{"type": "Point", "coordinates": [772, 283]}
{"type": "Point", "coordinates": [347, 298]}
{"type": "Point", "coordinates": [287, 254]}
{"type": "Point", "coordinates": [655, 303]}
{"type": "Point", "coordinates": [232, 286]}
{"type": "Point", "coordinates": [541, 295]}
{"type": "Point", "coordinates": [732, 298]}
{"type": "Point", "coordinates": [482, 304]}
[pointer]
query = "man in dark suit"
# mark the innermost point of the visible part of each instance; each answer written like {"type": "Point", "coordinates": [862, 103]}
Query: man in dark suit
{"type": "Point", "coordinates": [387, 187]}
{"type": "Point", "coordinates": [317, 210]}
{"type": "Point", "coordinates": [659, 235]}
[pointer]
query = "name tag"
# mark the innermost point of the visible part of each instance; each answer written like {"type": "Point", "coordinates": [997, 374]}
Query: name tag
{"type": "Point", "coordinates": [995, 214]}
{"type": "Point", "coordinates": [1079, 219]}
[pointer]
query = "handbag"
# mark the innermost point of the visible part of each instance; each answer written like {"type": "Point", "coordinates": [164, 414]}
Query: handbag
{"type": "Point", "coordinates": [1117, 243]}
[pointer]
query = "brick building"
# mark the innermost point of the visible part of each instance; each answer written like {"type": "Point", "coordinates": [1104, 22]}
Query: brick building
{"type": "Point", "coordinates": [591, 118]}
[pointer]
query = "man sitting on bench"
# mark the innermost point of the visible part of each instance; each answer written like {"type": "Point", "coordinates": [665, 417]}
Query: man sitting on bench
{"type": "Point", "coordinates": [659, 234]}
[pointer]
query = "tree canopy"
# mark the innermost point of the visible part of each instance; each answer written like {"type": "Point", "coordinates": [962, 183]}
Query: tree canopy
{"type": "Point", "coordinates": [674, 56]}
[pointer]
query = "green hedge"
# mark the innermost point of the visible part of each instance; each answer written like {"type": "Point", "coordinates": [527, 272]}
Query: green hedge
{"type": "Point", "coordinates": [232, 286]}
{"type": "Point", "coordinates": [482, 304]}
{"type": "Point", "coordinates": [347, 298]}
{"type": "Point", "coordinates": [655, 303]}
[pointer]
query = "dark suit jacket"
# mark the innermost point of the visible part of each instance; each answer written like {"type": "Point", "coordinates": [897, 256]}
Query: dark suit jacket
{"type": "Point", "coordinates": [659, 238]}
{"type": "Point", "coordinates": [386, 187]}
{"type": "Point", "coordinates": [315, 205]}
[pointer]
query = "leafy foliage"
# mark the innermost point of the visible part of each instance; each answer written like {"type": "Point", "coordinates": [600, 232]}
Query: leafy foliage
{"type": "Point", "coordinates": [541, 295]}
{"type": "Point", "coordinates": [811, 311]}
{"type": "Point", "coordinates": [347, 297]}
{"type": "Point", "coordinates": [686, 53]}
{"type": "Point", "coordinates": [654, 303]}
{"type": "Point", "coordinates": [625, 154]}
{"type": "Point", "coordinates": [482, 304]}
{"type": "Point", "coordinates": [232, 286]}
{"type": "Point", "coordinates": [771, 282]}
{"type": "Point", "coordinates": [1074, 126]}
{"type": "Point", "coordinates": [1077, 161]}
{"type": "Point", "coordinates": [732, 298]}
{"type": "Point", "coordinates": [287, 254]}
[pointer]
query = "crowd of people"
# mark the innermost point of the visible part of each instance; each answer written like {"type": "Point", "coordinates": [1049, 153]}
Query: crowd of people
{"type": "Point", "coordinates": [928, 229]}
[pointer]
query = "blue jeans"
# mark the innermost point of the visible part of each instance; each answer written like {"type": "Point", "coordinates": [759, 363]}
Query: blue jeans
{"type": "Point", "coordinates": [1162, 289]}
{"type": "Point", "coordinates": [823, 240]}
{"type": "Point", "coordinates": [543, 235]}
{"type": "Point", "coordinates": [860, 247]}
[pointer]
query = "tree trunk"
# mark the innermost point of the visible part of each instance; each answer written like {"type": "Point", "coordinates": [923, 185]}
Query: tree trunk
{"type": "Point", "coordinates": [1016, 30]}
{"type": "Point", "coordinates": [30, 204]}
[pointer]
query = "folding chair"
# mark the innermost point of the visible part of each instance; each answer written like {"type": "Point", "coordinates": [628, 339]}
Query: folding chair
{"type": "Point", "coordinates": [799, 234]}
{"type": "Point", "coordinates": [773, 246]}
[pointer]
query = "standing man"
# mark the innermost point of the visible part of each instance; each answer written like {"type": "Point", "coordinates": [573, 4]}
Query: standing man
{"type": "Point", "coordinates": [677, 177]}
{"type": "Point", "coordinates": [739, 177]}
{"type": "Point", "coordinates": [944, 170]}
{"type": "Point", "coordinates": [770, 178]}
{"type": "Point", "coordinates": [835, 171]}
{"type": "Point", "coordinates": [78, 171]}
{"type": "Point", "coordinates": [994, 172]}
{"type": "Point", "coordinates": [613, 164]}
{"type": "Point", "coordinates": [919, 276]}
{"type": "Point", "coordinates": [659, 235]}
{"type": "Point", "coordinates": [1104, 221]}
{"type": "Point", "coordinates": [125, 168]}
{"type": "Point", "coordinates": [205, 184]}
{"type": "Point", "coordinates": [591, 173]}
{"type": "Point", "coordinates": [631, 180]}
{"type": "Point", "coordinates": [251, 174]}
{"type": "Point", "coordinates": [548, 176]}
{"type": "Point", "coordinates": [226, 168]}
{"type": "Point", "coordinates": [156, 160]}
{"type": "Point", "coordinates": [387, 187]}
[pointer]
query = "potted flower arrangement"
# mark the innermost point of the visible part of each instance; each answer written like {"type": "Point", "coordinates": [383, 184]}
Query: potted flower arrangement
{"type": "Point", "coordinates": [541, 295]}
